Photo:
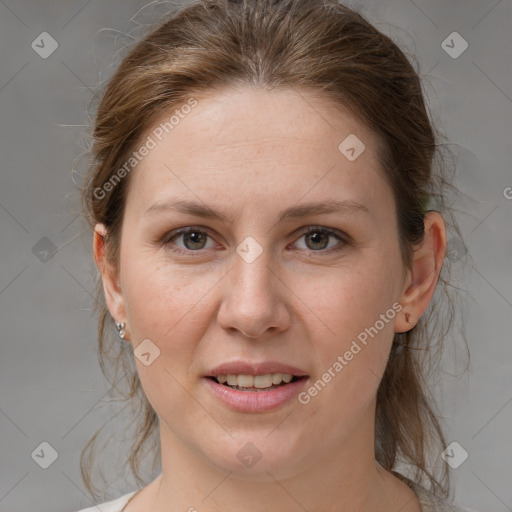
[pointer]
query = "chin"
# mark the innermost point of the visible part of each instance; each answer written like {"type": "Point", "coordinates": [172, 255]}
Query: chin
{"type": "Point", "coordinates": [257, 456]}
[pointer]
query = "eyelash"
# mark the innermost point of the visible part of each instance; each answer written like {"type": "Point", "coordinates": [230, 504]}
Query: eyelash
{"type": "Point", "coordinates": [340, 236]}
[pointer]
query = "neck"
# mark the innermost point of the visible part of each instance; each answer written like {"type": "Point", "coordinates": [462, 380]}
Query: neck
{"type": "Point", "coordinates": [346, 479]}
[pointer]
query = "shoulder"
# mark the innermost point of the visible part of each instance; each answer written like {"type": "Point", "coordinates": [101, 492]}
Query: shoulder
{"type": "Point", "coordinates": [431, 503]}
{"type": "Point", "coordinates": [116, 505]}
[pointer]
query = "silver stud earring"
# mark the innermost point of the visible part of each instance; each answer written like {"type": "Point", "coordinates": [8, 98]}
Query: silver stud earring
{"type": "Point", "coordinates": [120, 326]}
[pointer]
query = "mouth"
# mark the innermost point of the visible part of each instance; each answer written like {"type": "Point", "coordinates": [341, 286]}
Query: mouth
{"type": "Point", "coordinates": [255, 387]}
{"type": "Point", "coordinates": [256, 383]}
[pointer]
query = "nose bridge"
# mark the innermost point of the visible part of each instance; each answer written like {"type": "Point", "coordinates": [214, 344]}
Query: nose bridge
{"type": "Point", "coordinates": [252, 301]}
{"type": "Point", "coordinates": [252, 277]}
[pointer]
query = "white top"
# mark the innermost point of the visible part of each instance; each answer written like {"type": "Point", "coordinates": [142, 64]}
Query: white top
{"type": "Point", "coordinates": [428, 502]}
{"type": "Point", "coordinates": [116, 505]}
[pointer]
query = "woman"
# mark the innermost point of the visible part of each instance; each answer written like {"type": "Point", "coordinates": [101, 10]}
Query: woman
{"type": "Point", "coordinates": [260, 206]}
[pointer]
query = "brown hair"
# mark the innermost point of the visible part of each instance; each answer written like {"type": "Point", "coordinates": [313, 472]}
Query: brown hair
{"type": "Point", "coordinates": [323, 47]}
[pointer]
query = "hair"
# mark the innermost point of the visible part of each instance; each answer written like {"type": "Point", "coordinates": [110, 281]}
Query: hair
{"type": "Point", "coordinates": [325, 48]}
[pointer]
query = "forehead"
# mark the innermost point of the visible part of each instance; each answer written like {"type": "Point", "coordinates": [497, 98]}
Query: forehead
{"type": "Point", "coordinates": [248, 116]}
{"type": "Point", "coordinates": [255, 144]}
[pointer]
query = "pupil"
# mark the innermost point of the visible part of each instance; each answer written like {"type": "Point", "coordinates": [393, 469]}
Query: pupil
{"type": "Point", "coordinates": [195, 237]}
{"type": "Point", "coordinates": [317, 236]}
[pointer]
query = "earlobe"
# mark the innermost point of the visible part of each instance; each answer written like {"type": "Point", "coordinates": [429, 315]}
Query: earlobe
{"type": "Point", "coordinates": [109, 275]}
{"type": "Point", "coordinates": [426, 266]}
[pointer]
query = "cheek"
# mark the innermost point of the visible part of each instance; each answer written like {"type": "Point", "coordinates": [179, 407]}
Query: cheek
{"type": "Point", "coordinates": [357, 307]}
{"type": "Point", "coordinates": [161, 299]}
{"type": "Point", "coordinates": [168, 307]}
{"type": "Point", "coordinates": [353, 300]}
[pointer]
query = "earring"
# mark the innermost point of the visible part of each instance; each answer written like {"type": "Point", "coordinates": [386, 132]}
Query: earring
{"type": "Point", "coordinates": [407, 318]}
{"type": "Point", "coordinates": [120, 326]}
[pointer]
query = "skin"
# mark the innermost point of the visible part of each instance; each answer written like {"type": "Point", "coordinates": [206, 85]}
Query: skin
{"type": "Point", "coordinates": [251, 154]}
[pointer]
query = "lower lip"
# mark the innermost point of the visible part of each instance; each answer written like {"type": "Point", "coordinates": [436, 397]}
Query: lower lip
{"type": "Point", "coordinates": [256, 401]}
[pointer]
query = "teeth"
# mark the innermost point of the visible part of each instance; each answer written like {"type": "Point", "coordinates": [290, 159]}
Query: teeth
{"type": "Point", "coordinates": [277, 378]}
{"type": "Point", "coordinates": [259, 381]}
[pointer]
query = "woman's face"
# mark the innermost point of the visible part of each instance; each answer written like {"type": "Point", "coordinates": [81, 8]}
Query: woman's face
{"type": "Point", "coordinates": [321, 306]}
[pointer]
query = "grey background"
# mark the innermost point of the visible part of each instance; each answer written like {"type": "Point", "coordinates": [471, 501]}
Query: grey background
{"type": "Point", "coordinates": [52, 389]}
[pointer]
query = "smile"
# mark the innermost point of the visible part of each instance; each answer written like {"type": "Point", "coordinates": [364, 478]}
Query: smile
{"type": "Point", "coordinates": [255, 383]}
{"type": "Point", "coordinates": [245, 395]}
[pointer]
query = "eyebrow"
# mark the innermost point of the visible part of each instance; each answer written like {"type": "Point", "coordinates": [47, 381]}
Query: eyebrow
{"type": "Point", "coordinates": [292, 213]}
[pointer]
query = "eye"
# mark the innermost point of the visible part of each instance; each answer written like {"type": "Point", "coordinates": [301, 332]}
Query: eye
{"type": "Point", "coordinates": [194, 240]}
{"type": "Point", "coordinates": [317, 238]}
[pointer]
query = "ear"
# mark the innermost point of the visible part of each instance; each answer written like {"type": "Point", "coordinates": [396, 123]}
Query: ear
{"type": "Point", "coordinates": [109, 275]}
{"type": "Point", "coordinates": [422, 279]}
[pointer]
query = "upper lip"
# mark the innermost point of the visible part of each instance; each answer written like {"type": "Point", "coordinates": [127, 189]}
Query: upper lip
{"type": "Point", "coordinates": [254, 368]}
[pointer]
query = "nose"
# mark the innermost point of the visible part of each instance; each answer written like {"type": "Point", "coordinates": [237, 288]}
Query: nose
{"type": "Point", "coordinates": [254, 299]}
